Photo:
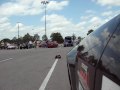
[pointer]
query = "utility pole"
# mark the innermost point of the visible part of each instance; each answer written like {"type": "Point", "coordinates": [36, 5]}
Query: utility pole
{"type": "Point", "coordinates": [18, 35]}
{"type": "Point", "coordinates": [45, 5]}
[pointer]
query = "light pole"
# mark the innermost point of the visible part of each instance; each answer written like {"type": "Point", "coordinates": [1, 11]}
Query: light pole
{"type": "Point", "coordinates": [45, 3]}
{"type": "Point", "coordinates": [18, 35]}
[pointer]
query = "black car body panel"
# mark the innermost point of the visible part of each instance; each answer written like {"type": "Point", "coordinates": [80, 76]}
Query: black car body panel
{"type": "Point", "coordinates": [71, 56]}
{"type": "Point", "coordinates": [97, 58]}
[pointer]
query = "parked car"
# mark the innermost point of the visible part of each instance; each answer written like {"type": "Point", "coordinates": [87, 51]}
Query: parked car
{"type": "Point", "coordinates": [24, 46]}
{"type": "Point", "coordinates": [10, 46]}
{"type": "Point", "coordinates": [30, 44]}
{"type": "Point", "coordinates": [43, 44]}
{"type": "Point", "coordinates": [52, 44]}
{"type": "Point", "coordinates": [3, 45]}
{"type": "Point", "coordinates": [49, 44]}
{"type": "Point", "coordinates": [94, 64]}
{"type": "Point", "coordinates": [68, 41]}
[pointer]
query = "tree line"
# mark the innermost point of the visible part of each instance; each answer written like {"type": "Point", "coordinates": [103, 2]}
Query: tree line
{"type": "Point", "coordinates": [27, 37]}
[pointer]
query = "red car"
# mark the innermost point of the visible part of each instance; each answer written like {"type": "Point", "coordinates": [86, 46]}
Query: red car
{"type": "Point", "coordinates": [52, 44]}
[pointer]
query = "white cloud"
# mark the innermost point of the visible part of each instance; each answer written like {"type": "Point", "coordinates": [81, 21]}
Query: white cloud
{"type": "Point", "coordinates": [4, 24]}
{"type": "Point", "coordinates": [54, 18]}
{"type": "Point", "coordinates": [81, 24]}
{"type": "Point", "coordinates": [115, 44]}
{"type": "Point", "coordinates": [7, 30]}
{"type": "Point", "coordinates": [108, 2]}
{"type": "Point", "coordinates": [91, 22]}
{"type": "Point", "coordinates": [90, 11]}
{"type": "Point", "coordinates": [105, 33]}
{"type": "Point", "coordinates": [110, 14]}
{"type": "Point", "coordinates": [95, 19]}
{"type": "Point", "coordinates": [86, 17]}
{"type": "Point", "coordinates": [55, 22]}
{"type": "Point", "coordinates": [95, 41]}
{"type": "Point", "coordinates": [29, 7]}
{"type": "Point", "coordinates": [54, 5]}
{"type": "Point", "coordinates": [58, 23]}
{"type": "Point", "coordinates": [107, 13]}
{"type": "Point", "coordinates": [9, 9]}
{"type": "Point", "coordinates": [3, 20]}
{"type": "Point", "coordinates": [22, 8]}
{"type": "Point", "coordinates": [95, 22]}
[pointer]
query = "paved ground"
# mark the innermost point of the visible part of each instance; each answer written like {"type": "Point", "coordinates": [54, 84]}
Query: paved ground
{"type": "Point", "coordinates": [27, 69]}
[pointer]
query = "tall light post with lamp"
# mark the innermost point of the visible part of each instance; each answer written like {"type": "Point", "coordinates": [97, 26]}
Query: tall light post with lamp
{"type": "Point", "coordinates": [45, 5]}
{"type": "Point", "coordinates": [18, 35]}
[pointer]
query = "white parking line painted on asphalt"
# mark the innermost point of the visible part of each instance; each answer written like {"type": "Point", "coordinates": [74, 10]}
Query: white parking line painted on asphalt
{"type": "Point", "coordinates": [6, 60]}
{"type": "Point", "coordinates": [43, 85]}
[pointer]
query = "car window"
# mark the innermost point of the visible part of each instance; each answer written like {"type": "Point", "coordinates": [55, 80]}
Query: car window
{"type": "Point", "coordinates": [111, 58]}
{"type": "Point", "coordinates": [95, 42]}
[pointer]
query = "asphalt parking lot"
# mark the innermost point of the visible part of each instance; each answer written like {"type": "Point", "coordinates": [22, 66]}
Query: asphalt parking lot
{"type": "Point", "coordinates": [29, 69]}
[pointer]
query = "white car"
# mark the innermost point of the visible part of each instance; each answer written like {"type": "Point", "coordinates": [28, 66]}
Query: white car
{"type": "Point", "coordinates": [11, 47]}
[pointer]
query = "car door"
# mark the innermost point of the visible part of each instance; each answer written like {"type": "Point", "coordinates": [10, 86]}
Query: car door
{"type": "Point", "coordinates": [90, 51]}
{"type": "Point", "coordinates": [108, 70]}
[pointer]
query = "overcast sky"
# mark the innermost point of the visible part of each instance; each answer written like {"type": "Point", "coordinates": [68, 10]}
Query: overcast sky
{"type": "Point", "coordinates": [64, 16]}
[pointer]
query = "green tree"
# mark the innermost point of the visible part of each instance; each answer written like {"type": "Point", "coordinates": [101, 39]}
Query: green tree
{"type": "Point", "coordinates": [6, 40]}
{"type": "Point", "coordinates": [44, 38]}
{"type": "Point", "coordinates": [57, 37]}
{"type": "Point", "coordinates": [79, 38]}
{"type": "Point", "coordinates": [27, 37]}
{"type": "Point", "coordinates": [90, 31]}
{"type": "Point", "coordinates": [36, 37]}
{"type": "Point", "coordinates": [14, 40]}
{"type": "Point", "coordinates": [73, 37]}
{"type": "Point", "coordinates": [17, 41]}
{"type": "Point", "coordinates": [20, 40]}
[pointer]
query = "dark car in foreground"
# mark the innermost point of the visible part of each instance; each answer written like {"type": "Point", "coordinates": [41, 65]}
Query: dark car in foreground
{"type": "Point", "coordinates": [94, 64]}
